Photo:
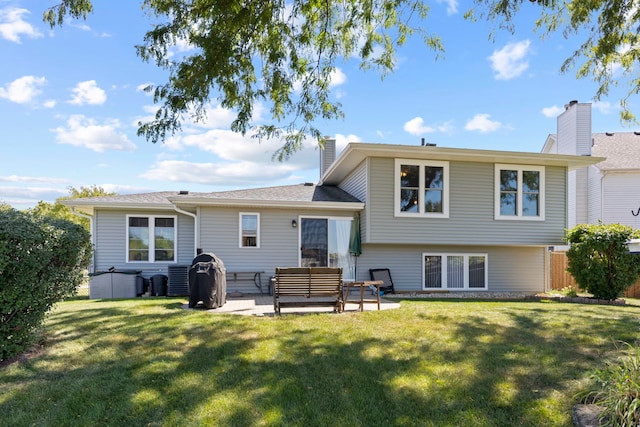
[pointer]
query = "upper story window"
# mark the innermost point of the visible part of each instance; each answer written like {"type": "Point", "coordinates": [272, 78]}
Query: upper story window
{"type": "Point", "coordinates": [249, 230]}
{"type": "Point", "coordinates": [421, 188]}
{"type": "Point", "coordinates": [151, 239]}
{"type": "Point", "coordinates": [519, 192]}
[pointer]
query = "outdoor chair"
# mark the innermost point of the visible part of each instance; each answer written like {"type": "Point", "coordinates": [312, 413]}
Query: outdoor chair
{"type": "Point", "coordinates": [385, 275]}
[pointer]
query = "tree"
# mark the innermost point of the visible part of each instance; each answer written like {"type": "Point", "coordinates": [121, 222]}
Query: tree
{"type": "Point", "coordinates": [284, 52]}
{"type": "Point", "coordinates": [60, 211]}
{"type": "Point", "coordinates": [599, 259]}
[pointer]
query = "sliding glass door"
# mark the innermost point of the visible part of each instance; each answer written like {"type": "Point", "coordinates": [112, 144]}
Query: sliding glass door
{"type": "Point", "coordinates": [324, 242]}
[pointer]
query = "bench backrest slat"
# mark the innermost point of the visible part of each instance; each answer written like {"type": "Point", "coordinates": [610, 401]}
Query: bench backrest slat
{"type": "Point", "coordinates": [308, 281]}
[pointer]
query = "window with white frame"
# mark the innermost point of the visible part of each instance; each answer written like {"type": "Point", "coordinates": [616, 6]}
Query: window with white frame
{"type": "Point", "coordinates": [151, 238]}
{"type": "Point", "coordinates": [519, 192]}
{"type": "Point", "coordinates": [249, 230]}
{"type": "Point", "coordinates": [455, 271]}
{"type": "Point", "coordinates": [421, 188]}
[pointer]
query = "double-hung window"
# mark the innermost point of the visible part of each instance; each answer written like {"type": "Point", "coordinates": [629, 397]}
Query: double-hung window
{"type": "Point", "coordinates": [421, 188]}
{"type": "Point", "coordinates": [151, 238]}
{"type": "Point", "coordinates": [455, 271]}
{"type": "Point", "coordinates": [519, 192]}
{"type": "Point", "coordinates": [249, 230]}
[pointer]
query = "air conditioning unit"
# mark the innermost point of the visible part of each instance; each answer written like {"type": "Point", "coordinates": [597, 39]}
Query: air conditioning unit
{"type": "Point", "coordinates": [178, 280]}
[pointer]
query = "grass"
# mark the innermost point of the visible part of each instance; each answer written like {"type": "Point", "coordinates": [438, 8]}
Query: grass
{"type": "Point", "coordinates": [148, 362]}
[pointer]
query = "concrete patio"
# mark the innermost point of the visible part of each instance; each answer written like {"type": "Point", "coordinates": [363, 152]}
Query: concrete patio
{"type": "Point", "coordinates": [262, 305]}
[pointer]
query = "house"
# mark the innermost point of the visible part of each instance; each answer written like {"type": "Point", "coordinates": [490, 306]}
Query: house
{"type": "Point", "coordinates": [441, 219]}
{"type": "Point", "coordinates": [608, 191]}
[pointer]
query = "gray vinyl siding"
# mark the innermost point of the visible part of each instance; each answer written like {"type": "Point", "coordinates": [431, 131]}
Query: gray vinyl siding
{"type": "Point", "coordinates": [595, 195]}
{"type": "Point", "coordinates": [471, 213]}
{"type": "Point", "coordinates": [111, 241]}
{"type": "Point", "coordinates": [582, 196]}
{"type": "Point", "coordinates": [356, 183]}
{"type": "Point", "coordinates": [621, 192]}
{"type": "Point", "coordinates": [510, 269]}
{"type": "Point", "coordinates": [278, 241]}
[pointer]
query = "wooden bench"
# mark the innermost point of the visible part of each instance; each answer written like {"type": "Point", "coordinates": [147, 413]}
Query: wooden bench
{"type": "Point", "coordinates": [310, 286]}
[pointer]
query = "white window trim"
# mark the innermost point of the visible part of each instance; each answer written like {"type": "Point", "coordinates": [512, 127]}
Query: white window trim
{"type": "Point", "coordinates": [445, 189]}
{"type": "Point", "coordinates": [240, 215]}
{"type": "Point", "coordinates": [466, 256]}
{"type": "Point", "coordinates": [520, 169]}
{"type": "Point", "coordinates": [328, 218]}
{"type": "Point", "coordinates": [152, 242]}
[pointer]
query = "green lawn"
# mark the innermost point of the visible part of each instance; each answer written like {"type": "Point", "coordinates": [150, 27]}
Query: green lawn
{"type": "Point", "coordinates": [148, 362]}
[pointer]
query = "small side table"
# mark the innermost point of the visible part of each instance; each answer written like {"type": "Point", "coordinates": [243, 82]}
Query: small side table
{"type": "Point", "coordinates": [362, 286]}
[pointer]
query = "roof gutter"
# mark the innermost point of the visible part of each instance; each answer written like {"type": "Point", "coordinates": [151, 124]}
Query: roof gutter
{"type": "Point", "coordinates": [204, 201]}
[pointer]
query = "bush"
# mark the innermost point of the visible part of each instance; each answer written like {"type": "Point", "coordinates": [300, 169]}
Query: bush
{"type": "Point", "coordinates": [569, 291]}
{"type": "Point", "coordinates": [599, 259]}
{"type": "Point", "coordinates": [42, 261]}
{"type": "Point", "coordinates": [617, 391]}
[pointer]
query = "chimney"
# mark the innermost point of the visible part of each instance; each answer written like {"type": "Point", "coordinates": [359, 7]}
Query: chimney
{"type": "Point", "coordinates": [327, 155]}
{"type": "Point", "coordinates": [574, 137]}
{"type": "Point", "coordinates": [574, 129]}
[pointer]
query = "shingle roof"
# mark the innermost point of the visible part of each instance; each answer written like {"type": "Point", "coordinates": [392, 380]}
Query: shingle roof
{"type": "Point", "coordinates": [622, 150]}
{"type": "Point", "coordinates": [287, 193]}
{"type": "Point", "coordinates": [141, 198]}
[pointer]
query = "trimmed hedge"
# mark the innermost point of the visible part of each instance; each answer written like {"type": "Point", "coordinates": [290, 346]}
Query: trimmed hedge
{"type": "Point", "coordinates": [42, 261]}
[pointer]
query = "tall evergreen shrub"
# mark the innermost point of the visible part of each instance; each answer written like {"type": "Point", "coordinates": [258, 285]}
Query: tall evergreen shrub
{"type": "Point", "coordinates": [599, 259]}
{"type": "Point", "coordinates": [42, 261]}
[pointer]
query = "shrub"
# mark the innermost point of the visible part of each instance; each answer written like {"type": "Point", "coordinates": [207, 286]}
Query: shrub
{"type": "Point", "coordinates": [569, 291]}
{"type": "Point", "coordinates": [599, 259]}
{"type": "Point", "coordinates": [617, 391]}
{"type": "Point", "coordinates": [42, 261]}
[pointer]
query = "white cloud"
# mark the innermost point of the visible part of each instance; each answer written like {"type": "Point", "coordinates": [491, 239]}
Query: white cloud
{"type": "Point", "coordinates": [23, 90]}
{"type": "Point", "coordinates": [50, 103]}
{"type": "Point", "coordinates": [27, 197]}
{"type": "Point", "coordinates": [88, 93]}
{"type": "Point", "coordinates": [481, 123]}
{"type": "Point", "coordinates": [416, 127]}
{"type": "Point", "coordinates": [553, 111]}
{"type": "Point", "coordinates": [81, 131]}
{"type": "Point", "coordinates": [446, 127]}
{"type": "Point", "coordinates": [343, 140]}
{"type": "Point", "coordinates": [604, 107]}
{"type": "Point", "coordinates": [337, 78]}
{"type": "Point", "coordinates": [215, 117]}
{"type": "Point", "coordinates": [219, 173]}
{"type": "Point", "coordinates": [38, 179]}
{"type": "Point", "coordinates": [510, 61]}
{"type": "Point", "coordinates": [452, 6]}
{"type": "Point", "coordinates": [181, 45]}
{"type": "Point", "coordinates": [12, 26]}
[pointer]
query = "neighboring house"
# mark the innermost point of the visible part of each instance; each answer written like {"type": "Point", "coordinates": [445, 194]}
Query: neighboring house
{"type": "Point", "coordinates": [608, 191]}
{"type": "Point", "coordinates": [438, 218]}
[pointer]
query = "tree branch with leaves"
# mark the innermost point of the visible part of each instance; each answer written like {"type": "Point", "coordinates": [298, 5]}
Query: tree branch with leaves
{"type": "Point", "coordinates": [245, 53]}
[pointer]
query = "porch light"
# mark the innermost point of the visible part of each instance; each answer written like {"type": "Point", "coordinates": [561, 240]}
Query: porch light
{"type": "Point", "coordinates": [294, 223]}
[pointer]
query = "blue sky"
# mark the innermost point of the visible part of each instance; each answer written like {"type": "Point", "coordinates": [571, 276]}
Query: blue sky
{"type": "Point", "coordinates": [70, 100]}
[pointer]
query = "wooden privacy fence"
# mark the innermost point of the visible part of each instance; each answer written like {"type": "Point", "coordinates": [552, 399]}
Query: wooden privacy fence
{"type": "Point", "coordinates": [560, 278]}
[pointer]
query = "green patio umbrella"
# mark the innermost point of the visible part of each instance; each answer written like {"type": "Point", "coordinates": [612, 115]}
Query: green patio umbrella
{"type": "Point", "coordinates": [355, 243]}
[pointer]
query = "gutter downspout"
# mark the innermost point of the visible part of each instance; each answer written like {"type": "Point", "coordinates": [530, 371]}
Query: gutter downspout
{"type": "Point", "coordinates": [196, 228]}
{"type": "Point", "coordinates": [91, 232]}
{"type": "Point", "coordinates": [604, 175]}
